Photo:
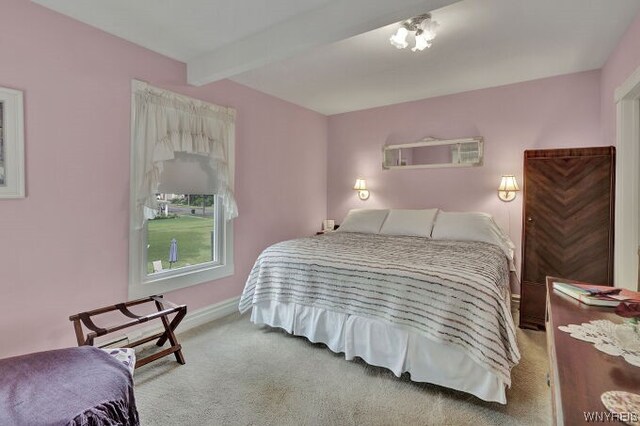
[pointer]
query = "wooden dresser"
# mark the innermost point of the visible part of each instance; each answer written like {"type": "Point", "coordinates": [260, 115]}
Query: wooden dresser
{"type": "Point", "coordinates": [567, 222]}
{"type": "Point", "coordinates": [579, 373]}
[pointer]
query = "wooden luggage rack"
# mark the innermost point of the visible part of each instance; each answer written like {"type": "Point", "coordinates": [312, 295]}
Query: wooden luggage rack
{"type": "Point", "coordinates": [165, 308]}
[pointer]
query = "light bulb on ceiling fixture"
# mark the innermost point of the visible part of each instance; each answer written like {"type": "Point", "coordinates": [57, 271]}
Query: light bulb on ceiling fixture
{"type": "Point", "coordinates": [421, 43]}
{"type": "Point", "coordinates": [399, 39]}
{"type": "Point", "coordinates": [429, 27]}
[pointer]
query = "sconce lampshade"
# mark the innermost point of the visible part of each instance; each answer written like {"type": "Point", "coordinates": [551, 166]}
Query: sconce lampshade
{"type": "Point", "coordinates": [508, 183]}
{"type": "Point", "coordinates": [361, 187]}
{"type": "Point", "coordinates": [508, 188]}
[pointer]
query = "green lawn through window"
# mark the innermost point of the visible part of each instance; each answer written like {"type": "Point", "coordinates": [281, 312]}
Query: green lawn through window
{"type": "Point", "coordinates": [194, 240]}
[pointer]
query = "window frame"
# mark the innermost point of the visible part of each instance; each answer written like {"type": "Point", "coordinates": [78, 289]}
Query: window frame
{"type": "Point", "coordinates": [141, 284]}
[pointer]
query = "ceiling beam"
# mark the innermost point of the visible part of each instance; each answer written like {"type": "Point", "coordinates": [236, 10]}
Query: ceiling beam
{"type": "Point", "coordinates": [336, 21]}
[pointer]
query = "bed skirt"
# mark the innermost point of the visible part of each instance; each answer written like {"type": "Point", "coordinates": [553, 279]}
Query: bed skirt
{"type": "Point", "coordinates": [384, 345]}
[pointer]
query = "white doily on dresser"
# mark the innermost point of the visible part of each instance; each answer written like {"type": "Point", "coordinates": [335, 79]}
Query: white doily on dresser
{"type": "Point", "coordinates": [608, 337]}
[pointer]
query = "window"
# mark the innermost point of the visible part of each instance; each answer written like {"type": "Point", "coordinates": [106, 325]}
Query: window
{"type": "Point", "coordinates": [182, 202]}
{"type": "Point", "coordinates": [183, 233]}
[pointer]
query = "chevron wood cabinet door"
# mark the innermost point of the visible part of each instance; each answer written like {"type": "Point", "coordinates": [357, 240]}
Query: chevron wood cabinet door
{"type": "Point", "coordinates": [567, 222]}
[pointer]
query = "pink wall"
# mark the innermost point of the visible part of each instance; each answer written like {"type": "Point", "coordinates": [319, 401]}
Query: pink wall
{"type": "Point", "coordinates": [549, 113]}
{"type": "Point", "coordinates": [280, 180]}
{"type": "Point", "coordinates": [622, 62]}
{"type": "Point", "coordinates": [64, 248]}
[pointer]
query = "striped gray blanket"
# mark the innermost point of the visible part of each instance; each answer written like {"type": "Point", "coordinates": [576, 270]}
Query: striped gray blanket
{"type": "Point", "coordinates": [453, 292]}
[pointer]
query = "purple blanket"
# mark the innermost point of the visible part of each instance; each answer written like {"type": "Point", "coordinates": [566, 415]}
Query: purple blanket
{"type": "Point", "coordinates": [75, 386]}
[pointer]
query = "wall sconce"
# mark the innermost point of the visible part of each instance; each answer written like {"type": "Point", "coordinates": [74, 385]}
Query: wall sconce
{"type": "Point", "coordinates": [361, 187]}
{"type": "Point", "coordinates": [508, 188]}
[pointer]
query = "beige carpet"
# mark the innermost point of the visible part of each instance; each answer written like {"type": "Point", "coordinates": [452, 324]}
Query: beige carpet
{"type": "Point", "coordinates": [241, 374]}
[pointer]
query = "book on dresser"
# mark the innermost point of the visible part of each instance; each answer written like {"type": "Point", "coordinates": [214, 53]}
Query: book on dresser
{"type": "Point", "coordinates": [594, 295]}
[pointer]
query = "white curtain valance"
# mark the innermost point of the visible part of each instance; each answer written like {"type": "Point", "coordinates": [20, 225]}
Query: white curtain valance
{"type": "Point", "coordinates": [166, 123]}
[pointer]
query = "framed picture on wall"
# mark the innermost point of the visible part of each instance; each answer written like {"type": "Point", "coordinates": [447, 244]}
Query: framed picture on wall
{"type": "Point", "coordinates": [11, 143]}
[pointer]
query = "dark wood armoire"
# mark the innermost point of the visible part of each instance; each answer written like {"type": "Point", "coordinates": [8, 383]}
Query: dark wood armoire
{"type": "Point", "coordinates": [567, 222]}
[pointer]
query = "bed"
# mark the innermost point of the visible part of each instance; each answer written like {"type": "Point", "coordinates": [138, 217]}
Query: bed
{"type": "Point", "coordinates": [73, 386]}
{"type": "Point", "coordinates": [432, 301]}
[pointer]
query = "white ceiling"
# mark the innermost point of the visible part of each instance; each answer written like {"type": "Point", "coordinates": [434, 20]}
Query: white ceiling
{"type": "Point", "coordinates": [327, 55]}
{"type": "Point", "coordinates": [221, 38]}
{"type": "Point", "coordinates": [480, 44]}
{"type": "Point", "coordinates": [185, 29]}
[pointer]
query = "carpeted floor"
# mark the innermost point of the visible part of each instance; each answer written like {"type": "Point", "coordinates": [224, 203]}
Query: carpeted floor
{"type": "Point", "coordinates": [241, 374]}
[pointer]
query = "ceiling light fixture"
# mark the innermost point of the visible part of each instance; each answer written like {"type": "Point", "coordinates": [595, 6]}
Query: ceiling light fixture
{"type": "Point", "coordinates": [423, 27]}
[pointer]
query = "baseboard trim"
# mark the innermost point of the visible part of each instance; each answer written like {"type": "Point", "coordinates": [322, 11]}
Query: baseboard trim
{"type": "Point", "coordinates": [210, 313]}
{"type": "Point", "coordinates": [193, 319]}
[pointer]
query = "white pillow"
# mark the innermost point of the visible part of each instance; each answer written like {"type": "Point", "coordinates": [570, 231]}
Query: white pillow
{"type": "Point", "coordinates": [471, 227]}
{"type": "Point", "coordinates": [368, 221]}
{"type": "Point", "coordinates": [409, 222]}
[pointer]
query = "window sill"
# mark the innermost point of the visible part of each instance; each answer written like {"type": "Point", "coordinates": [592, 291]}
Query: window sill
{"type": "Point", "coordinates": [177, 281]}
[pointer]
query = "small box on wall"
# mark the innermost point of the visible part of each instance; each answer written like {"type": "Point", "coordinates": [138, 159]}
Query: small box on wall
{"type": "Point", "coordinates": [328, 225]}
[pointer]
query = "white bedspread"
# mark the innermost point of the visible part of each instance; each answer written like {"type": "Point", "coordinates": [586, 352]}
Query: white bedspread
{"type": "Point", "coordinates": [450, 292]}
